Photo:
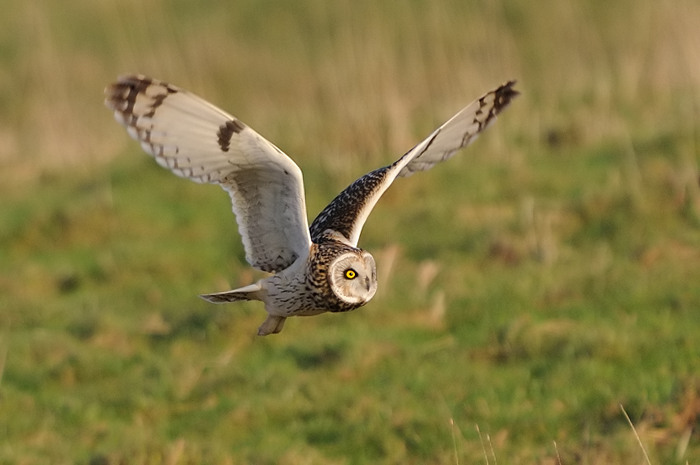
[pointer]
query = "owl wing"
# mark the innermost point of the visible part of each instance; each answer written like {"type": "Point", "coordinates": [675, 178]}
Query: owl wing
{"type": "Point", "coordinates": [196, 140]}
{"type": "Point", "coordinates": [345, 216]}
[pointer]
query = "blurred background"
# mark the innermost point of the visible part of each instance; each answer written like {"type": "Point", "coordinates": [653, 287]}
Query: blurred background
{"type": "Point", "coordinates": [535, 292]}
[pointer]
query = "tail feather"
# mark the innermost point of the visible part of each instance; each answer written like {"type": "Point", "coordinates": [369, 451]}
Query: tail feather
{"type": "Point", "coordinates": [250, 292]}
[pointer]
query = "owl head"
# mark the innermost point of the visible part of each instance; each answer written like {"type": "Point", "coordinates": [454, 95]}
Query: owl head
{"type": "Point", "coordinates": [351, 278]}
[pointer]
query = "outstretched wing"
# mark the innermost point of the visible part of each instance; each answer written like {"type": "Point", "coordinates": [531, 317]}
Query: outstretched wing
{"type": "Point", "coordinates": [344, 217]}
{"type": "Point", "coordinates": [196, 140]}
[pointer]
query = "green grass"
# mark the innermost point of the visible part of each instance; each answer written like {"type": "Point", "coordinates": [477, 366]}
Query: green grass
{"type": "Point", "coordinates": [528, 288]}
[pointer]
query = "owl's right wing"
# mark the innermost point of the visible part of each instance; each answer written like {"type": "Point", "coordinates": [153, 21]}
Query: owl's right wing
{"type": "Point", "coordinates": [345, 216]}
{"type": "Point", "coordinates": [196, 140]}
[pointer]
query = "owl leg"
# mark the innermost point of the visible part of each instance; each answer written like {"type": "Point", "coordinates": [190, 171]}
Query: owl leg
{"type": "Point", "coordinates": [272, 325]}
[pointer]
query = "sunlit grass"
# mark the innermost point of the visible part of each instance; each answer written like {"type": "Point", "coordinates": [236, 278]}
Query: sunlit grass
{"type": "Point", "coordinates": [528, 288]}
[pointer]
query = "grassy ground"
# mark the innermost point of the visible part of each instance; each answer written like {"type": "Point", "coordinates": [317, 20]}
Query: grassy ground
{"type": "Point", "coordinates": [529, 289]}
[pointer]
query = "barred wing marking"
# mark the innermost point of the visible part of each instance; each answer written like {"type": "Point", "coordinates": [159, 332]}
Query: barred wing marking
{"type": "Point", "coordinates": [346, 214]}
{"type": "Point", "coordinates": [197, 140]}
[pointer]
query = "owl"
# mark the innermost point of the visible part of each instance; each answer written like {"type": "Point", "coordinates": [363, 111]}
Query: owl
{"type": "Point", "coordinates": [312, 269]}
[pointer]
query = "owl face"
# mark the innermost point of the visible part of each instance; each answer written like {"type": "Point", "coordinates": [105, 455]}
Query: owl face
{"type": "Point", "coordinates": [352, 277]}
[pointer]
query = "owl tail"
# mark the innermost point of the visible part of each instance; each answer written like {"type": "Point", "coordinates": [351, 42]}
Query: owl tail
{"type": "Point", "coordinates": [251, 292]}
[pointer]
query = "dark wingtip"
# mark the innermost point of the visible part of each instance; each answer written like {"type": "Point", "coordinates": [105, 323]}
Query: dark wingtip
{"type": "Point", "coordinates": [121, 95]}
{"type": "Point", "coordinates": [503, 95]}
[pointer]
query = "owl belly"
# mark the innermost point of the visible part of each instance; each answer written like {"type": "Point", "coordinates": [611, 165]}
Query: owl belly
{"type": "Point", "coordinates": [289, 296]}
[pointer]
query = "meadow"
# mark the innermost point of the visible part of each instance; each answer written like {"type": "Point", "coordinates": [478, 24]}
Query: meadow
{"type": "Point", "coordinates": [539, 294]}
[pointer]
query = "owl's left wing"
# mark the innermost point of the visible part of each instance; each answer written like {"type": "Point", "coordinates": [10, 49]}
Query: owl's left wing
{"type": "Point", "coordinates": [345, 216]}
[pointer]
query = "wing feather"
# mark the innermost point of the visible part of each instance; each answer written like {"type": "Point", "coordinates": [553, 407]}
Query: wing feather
{"type": "Point", "coordinates": [345, 216]}
{"type": "Point", "coordinates": [198, 141]}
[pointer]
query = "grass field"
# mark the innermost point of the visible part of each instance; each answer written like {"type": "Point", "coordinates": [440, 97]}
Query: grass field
{"type": "Point", "coordinates": [530, 289]}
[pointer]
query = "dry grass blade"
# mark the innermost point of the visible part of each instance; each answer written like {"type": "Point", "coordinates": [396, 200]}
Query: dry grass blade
{"type": "Point", "coordinates": [3, 357]}
{"type": "Point", "coordinates": [634, 430]}
{"type": "Point", "coordinates": [483, 446]}
{"type": "Point", "coordinates": [454, 440]}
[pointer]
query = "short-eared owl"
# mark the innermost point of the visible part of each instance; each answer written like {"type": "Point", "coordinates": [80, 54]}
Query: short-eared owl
{"type": "Point", "coordinates": [314, 269]}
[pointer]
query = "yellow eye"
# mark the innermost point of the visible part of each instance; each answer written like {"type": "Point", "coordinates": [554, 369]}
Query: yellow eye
{"type": "Point", "coordinates": [350, 273]}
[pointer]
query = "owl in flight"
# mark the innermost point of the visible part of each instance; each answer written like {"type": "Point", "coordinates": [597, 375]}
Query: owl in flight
{"type": "Point", "coordinates": [313, 269]}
